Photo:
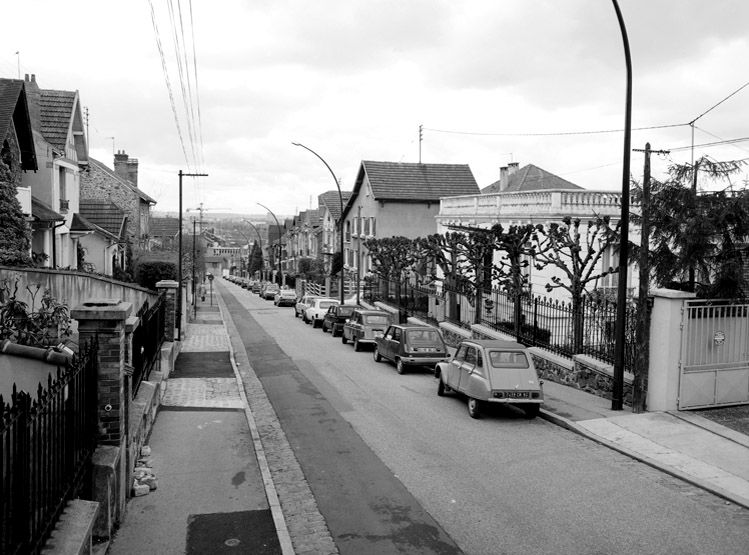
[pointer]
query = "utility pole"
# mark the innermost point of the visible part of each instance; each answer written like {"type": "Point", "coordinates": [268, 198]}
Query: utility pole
{"type": "Point", "coordinates": [179, 254]}
{"type": "Point", "coordinates": [421, 139]}
{"type": "Point", "coordinates": [194, 260]}
{"type": "Point", "coordinates": [642, 338]}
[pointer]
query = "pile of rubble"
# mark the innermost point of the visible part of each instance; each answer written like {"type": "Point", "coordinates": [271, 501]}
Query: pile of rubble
{"type": "Point", "coordinates": [144, 479]}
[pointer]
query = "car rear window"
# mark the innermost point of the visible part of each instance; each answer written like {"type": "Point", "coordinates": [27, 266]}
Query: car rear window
{"type": "Point", "coordinates": [326, 304]}
{"type": "Point", "coordinates": [345, 311]}
{"type": "Point", "coordinates": [508, 359]}
{"type": "Point", "coordinates": [423, 336]}
{"type": "Point", "coordinates": [376, 319]}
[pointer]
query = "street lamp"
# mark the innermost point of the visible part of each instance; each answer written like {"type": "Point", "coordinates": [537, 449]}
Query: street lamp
{"type": "Point", "coordinates": [340, 218]}
{"type": "Point", "coordinates": [279, 241]}
{"type": "Point", "coordinates": [619, 335]}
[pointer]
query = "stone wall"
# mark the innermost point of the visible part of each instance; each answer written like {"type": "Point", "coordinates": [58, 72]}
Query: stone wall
{"type": "Point", "coordinates": [97, 184]}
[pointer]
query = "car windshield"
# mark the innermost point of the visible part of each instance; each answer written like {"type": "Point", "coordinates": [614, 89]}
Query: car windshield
{"type": "Point", "coordinates": [508, 359]}
{"type": "Point", "coordinates": [423, 336]}
{"type": "Point", "coordinates": [376, 319]}
{"type": "Point", "coordinates": [326, 304]}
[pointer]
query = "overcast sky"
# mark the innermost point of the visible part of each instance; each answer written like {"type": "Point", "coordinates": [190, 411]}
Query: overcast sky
{"type": "Point", "coordinates": [354, 79]}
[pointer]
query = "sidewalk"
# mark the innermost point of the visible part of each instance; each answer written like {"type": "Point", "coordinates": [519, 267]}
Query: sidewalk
{"type": "Point", "coordinates": [680, 443]}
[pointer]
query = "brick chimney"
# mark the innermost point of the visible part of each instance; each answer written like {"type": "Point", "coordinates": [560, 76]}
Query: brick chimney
{"type": "Point", "coordinates": [125, 167]}
{"type": "Point", "coordinates": [33, 96]}
{"type": "Point", "coordinates": [502, 178]}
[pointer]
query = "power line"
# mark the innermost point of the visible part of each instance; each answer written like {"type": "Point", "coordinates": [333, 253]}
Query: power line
{"type": "Point", "coordinates": [715, 143]}
{"type": "Point", "coordinates": [555, 134]}
{"type": "Point", "coordinates": [719, 103]}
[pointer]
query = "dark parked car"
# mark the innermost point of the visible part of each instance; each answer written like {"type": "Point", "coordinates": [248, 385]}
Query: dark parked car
{"type": "Point", "coordinates": [336, 317]}
{"type": "Point", "coordinates": [364, 325]}
{"type": "Point", "coordinates": [411, 345]}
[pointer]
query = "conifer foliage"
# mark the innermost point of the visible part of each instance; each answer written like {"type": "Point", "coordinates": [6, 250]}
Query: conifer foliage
{"type": "Point", "coordinates": [15, 234]}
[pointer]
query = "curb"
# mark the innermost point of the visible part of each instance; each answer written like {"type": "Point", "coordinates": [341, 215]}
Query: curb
{"type": "Point", "coordinates": [282, 531]}
{"type": "Point", "coordinates": [702, 484]}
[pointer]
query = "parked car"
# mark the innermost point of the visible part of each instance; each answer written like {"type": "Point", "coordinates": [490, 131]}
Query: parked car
{"type": "Point", "coordinates": [270, 291]}
{"type": "Point", "coordinates": [285, 297]}
{"type": "Point", "coordinates": [492, 371]}
{"type": "Point", "coordinates": [255, 287]}
{"type": "Point", "coordinates": [364, 325]}
{"type": "Point", "coordinates": [303, 304]}
{"type": "Point", "coordinates": [411, 345]}
{"type": "Point", "coordinates": [336, 316]}
{"type": "Point", "coordinates": [315, 312]}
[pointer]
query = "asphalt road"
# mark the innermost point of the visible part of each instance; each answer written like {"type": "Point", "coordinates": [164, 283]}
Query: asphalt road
{"type": "Point", "coordinates": [381, 450]}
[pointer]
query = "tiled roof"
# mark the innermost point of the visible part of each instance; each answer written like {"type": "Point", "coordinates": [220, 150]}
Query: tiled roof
{"type": "Point", "coordinates": [103, 213]}
{"type": "Point", "coordinates": [332, 202]}
{"type": "Point", "coordinates": [417, 182]}
{"type": "Point", "coordinates": [79, 223]}
{"type": "Point", "coordinates": [14, 110]}
{"type": "Point", "coordinates": [164, 227]}
{"type": "Point", "coordinates": [43, 213]}
{"type": "Point", "coordinates": [95, 164]}
{"type": "Point", "coordinates": [531, 178]}
{"type": "Point", "coordinates": [56, 109]}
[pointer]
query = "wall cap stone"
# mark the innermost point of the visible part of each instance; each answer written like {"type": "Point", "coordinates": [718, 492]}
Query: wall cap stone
{"type": "Point", "coordinates": [386, 308]}
{"type": "Point", "coordinates": [99, 311]}
{"type": "Point", "coordinates": [564, 362]}
{"type": "Point", "coordinates": [455, 329]}
{"type": "Point", "coordinates": [166, 283]}
{"type": "Point", "coordinates": [672, 294]}
{"type": "Point", "coordinates": [131, 324]}
{"type": "Point", "coordinates": [486, 330]}
{"type": "Point", "coordinates": [601, 367]}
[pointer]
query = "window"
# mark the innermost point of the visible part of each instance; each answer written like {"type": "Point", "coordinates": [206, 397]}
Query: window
{"type": "Point", "coordinates": [461, 354]}
{"type": "Point", "coordinates": [374, 232]}
{"type": "Point", "coordinates": [508, 359]}
{"type": "Point", "coordinates": [397, 332]}
{"type": "Point", "coordinates": [366, 226]}
{"type": "Point", "coordinates": [64, 204]}
{"type": "Point", "coordinates": [471, 356]}
{"type": "Point", "coordinates": [348, 231]}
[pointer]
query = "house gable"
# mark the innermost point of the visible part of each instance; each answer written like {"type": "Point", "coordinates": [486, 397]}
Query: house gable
{"type": "Point", "coordinates": [529, 178]}
{"type": "Point", "coordinates": [15, 119]}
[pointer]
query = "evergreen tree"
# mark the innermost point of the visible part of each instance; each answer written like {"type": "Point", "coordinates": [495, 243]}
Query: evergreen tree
{"type": "Point", "coordinates": [15, 233]}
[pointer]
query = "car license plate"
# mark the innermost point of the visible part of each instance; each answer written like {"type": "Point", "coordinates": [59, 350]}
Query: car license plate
{"type": "Point", "coordinates": [512, 394]}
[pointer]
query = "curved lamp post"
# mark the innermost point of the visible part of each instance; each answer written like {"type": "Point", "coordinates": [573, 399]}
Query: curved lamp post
{"type": "Point", "coordinates": [340, 218]}
{"type": "Point", "coordinates": [248, 222]}
{"type": "Point", "coordinates": [619, 335]}
{"type": "Point", "coordinates": [280, 278]}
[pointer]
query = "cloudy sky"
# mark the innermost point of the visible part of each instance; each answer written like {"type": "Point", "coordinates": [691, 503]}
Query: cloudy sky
{"type": "Point", "coordinates": [491, 81]}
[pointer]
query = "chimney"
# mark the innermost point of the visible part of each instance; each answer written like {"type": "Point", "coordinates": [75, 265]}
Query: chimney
{"type": "Point", "coordinates": [33, 97]}
{"type": "Point", "coordinates": [125, 167]}
{"type": "Point", "coordinates": [512, 167]}
{"type": "Point", "coordinates": [502, 178]}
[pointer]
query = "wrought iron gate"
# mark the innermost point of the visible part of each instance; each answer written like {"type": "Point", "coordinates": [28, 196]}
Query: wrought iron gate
{"type": "Point", "coordinates": [714, 368]}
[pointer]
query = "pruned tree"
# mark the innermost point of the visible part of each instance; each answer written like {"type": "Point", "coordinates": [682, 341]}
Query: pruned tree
{"type": "Point", "coordinates": [578, 254]}
{"type": "Point", "coordinates": [476, 253]}
{"type": "Point", "coordinates": [443, 251]}
{"type": "Point", "coordinates": [391, 257]}
{"type": "Point", "coordinates": [516, 246]}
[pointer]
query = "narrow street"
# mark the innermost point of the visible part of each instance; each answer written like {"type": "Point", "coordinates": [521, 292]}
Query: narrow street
{"type": "Point", "coordinates": [395, 468]}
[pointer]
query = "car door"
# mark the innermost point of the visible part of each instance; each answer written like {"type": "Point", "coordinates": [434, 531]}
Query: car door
{"type": "Point", "coordinates": [452, 377]}
{"type": "Point", "coordinates": [388, 342]}
{"type": "Point", "coordinates": [467, 366]}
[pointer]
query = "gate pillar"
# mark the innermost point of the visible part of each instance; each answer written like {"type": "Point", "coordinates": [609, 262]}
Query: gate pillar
{"type": "Point", "coordinates": [665, 348]}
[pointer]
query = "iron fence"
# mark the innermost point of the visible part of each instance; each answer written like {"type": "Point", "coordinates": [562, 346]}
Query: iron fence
{"type": "Point", "coordinates": [534, 321]}
{"type": "Point", "coordinates": [147, 340]}
{"type": "Point", "coordinates": [46, 444]}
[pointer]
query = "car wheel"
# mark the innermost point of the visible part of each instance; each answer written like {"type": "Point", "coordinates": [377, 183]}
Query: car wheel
{"type": "Point", "coordinates": [400, 367]}
{"type": "Point", "coordinates": [474, 407]}
{"type": "Point", "coordinates": [296, 314]}
{"type": "Point", "coordinates": [357, 347]}
{"type": "Point", "coordinates": [441, 388]}
{"type": "Point", "coordinates": [324, 327]}
{"type": "Point", "coordinates": [376, 355]}
{"type": "Point", "coordinates": [343, 339]}
{"type": "Point", "coordinates": [531, 411]}
{"type": "Point", "coordinates": [334, 332]}
{"type": "Point", "coordinates": [315, 322]}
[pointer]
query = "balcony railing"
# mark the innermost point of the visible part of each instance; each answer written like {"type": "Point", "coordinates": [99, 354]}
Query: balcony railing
{"type": "Point", "coordinates": [551, 203]}
{"type": "Point", "coordinates": [64, 205]}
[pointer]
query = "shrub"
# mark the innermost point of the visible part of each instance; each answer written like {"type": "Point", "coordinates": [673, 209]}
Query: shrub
{"type": "Point", "coordinates": [150, 273]}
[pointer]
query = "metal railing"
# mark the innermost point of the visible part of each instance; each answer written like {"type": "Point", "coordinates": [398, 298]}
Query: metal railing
{"type": "Point", "coordinates": [552, 324]}
{"type": "Point", "coordinates": [46, 444]}
{"type": "Point", "coordinates": [147, 340]}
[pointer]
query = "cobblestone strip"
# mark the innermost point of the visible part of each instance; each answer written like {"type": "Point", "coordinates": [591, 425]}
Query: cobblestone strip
{"type": "Point", "coordinates": [202, 392]}
{"type": "Point", "coordinates": [306, 526]}
{"type": "Point", "coordinates": [205, 338]}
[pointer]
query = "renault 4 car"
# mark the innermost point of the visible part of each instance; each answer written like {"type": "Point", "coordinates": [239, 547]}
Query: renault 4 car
{"type": "Point", "coordinates": [316, 310]}
{"type": "Point", "coordinates": [408, 345]}
{"type": "Point", "coordinates": [364, 326]}
{"type": "Point", "coordinates": [269, 293]}
{"type": "Point", "coordinates": [336, 316]}
{"type": "Point", "coordinates": [492, 371]}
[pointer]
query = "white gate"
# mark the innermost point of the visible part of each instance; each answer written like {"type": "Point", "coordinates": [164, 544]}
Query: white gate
{"type": "Point", "coordinates": [714, 354]}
